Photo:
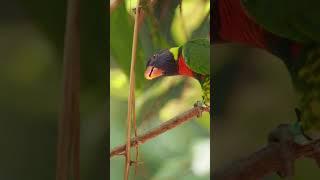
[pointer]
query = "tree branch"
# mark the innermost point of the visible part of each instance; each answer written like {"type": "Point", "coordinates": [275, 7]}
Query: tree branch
{"type": "Point", "coordinates": [68, 147]}
{"type": "Point", "coordinates": [131, 97]}
{"type": "Point", "coordinates": [170, 124]}
{"type": "Point", "coordinates": [265, 161]}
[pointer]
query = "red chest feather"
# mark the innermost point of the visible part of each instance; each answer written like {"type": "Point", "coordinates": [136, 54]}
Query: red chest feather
{"type": "Point", "coordinates": [183, 69]}
{"type": "Point", "coordinates": [236, 26]}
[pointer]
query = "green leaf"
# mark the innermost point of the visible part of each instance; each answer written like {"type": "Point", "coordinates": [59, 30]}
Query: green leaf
{"type": "Point", "coordinates": [121, 33]}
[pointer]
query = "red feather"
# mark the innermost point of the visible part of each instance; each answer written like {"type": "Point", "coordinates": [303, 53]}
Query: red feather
{"type": "Point", "coordinates": [183, 69]}
{"type": "Point", "coordinates": [237, 26]}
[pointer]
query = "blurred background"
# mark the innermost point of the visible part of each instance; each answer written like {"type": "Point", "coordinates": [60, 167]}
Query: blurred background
{"type": "Point", "coordinates": [184, 152]}
{"type": "Point", "coordinates": [31, 47]}
{"type": "Point", "coordinates": [253, 95]}
{"type": "Point", "coordinates": [253, 92]}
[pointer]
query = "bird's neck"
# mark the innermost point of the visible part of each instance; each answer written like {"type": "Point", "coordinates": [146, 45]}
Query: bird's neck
{"type": "Point", "coordinates": [236, 26]}
{"type": "Point", "coordinates": [232, 24]}
{"type": "Point", "coordinates": [183, 69]}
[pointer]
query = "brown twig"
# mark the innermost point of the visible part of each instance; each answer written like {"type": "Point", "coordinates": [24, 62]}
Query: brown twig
{"type": "Point", "coordinates": [265, 161]}
{"type": "Point", "coordinates": [170, 124]}
{"type": "Point", "coordinates": [135, 135]}
{"type": "Point", "coordinates": [131, 99]}
{"type": "Point", "coordinates": [68, 150]}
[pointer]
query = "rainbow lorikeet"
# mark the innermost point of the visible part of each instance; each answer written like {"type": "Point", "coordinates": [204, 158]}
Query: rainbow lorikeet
{"type": "Point", "coordinates": [289, 29]}
{"type": "Point", "coordinates": [192, 59]}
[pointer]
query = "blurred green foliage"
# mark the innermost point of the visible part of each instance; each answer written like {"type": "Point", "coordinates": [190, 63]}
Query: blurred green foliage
{"type": "Point", "coordinates": [31, 48]}
{"type": "Point", "coordinates": [171, 155]}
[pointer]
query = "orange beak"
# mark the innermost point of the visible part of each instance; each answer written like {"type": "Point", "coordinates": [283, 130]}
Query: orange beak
{"type": "Point", "coordinates": [152, 72]}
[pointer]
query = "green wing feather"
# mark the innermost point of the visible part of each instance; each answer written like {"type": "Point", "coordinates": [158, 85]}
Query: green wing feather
{"type": "Point", "coordinates": [293, 19]}
{"type": "Point", "coordinates": [299, 21]}
{"type": "Point", "coordinates": [197, 55]}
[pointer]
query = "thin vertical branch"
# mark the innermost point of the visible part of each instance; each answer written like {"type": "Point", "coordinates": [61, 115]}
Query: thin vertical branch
{"type": "Point", "coordinates": [131, 98]}
{"type": "Point", "coordinates": [135, 135]}
{"type": "Point", "coordinates": [68, 128]}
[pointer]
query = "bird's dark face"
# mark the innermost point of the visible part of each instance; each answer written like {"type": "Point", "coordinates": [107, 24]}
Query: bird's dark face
{"type": "Point", "coordinates": [162, 63]}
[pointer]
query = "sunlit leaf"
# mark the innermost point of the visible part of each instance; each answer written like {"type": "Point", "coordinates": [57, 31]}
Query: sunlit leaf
{"type": "Point", "coordinates": [193, 14]}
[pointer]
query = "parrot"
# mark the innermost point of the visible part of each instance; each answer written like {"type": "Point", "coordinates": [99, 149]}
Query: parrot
{"type": "Point", "coordinates": [288, 29]}
{"type": "Point", "coordinates": [191, 59]}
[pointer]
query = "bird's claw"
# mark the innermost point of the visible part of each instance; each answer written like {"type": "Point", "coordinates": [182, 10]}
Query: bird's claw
{"type": "Point", "coordinates": [284, 136]}
{"type": "Point", "coordinates": [299, 130]}
{"type": "Point", "coordinates": [198, 104]}
{"type": "Point", "coordinates": [201, 105]}
{"type": "Point", "coordinates": [288, 136]}
{"type": "Point", "coordinates": [301, 138]}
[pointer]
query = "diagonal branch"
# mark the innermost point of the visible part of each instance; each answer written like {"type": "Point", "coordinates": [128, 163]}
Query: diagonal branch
{"type": "Point", "coordinates": [266, 161]}
{"type": "Point", "coordinates": [170, 124]}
